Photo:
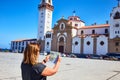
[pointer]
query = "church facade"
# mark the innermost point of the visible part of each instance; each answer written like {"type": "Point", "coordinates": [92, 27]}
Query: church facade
{"type": "Point", "coordinates": [73, 36]}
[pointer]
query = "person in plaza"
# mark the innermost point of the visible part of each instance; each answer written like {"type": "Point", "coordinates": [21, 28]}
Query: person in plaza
{"type": "Point", "coordinates": [31, 69]}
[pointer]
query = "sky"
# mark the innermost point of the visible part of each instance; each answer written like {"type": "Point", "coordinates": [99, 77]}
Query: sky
{"type": "Point", "coordinates": [19, 18]}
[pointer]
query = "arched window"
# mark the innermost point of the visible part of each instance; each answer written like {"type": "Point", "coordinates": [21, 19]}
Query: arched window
{"type": "Point", "coordinates": [48, 35]}
{"type": "Point", "coordinates": [76, 24]}
{"type": "Point", "coordinates": [82, 32]}
{"type": "Point", "coordinates": [93, 31]}
{"type": "Point", "coordinates": [106, 31]}
{"type": "Point", "coordinates": [49, 1]}
{"type": "Point", "coordinates": [61, 39]}
{"type": "Point", "coordinates": [117, 15]}
{"type": "Point", "coordinates": [118, 32]}
{"type": "Point", "coordinates": [62, 26]}
{"type": "Point", "coordinates": [117, 44]}
{"type": "Point", "coordinates": [48, 43]}
{"type": "Point", "coordinates": [70, 18]}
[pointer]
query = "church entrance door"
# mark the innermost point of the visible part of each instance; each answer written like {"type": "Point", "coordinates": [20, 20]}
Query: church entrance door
{"type": "Point", "coordinates": [61, 49]}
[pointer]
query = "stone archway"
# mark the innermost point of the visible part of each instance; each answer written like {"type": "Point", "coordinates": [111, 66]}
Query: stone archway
{"type": "Point", "coordinates": [61, 49]}
{"type": "Point", "coordinates": [61, 43]}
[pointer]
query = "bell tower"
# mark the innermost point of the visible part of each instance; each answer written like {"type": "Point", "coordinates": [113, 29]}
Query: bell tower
{"type": "Point", "coordinates": [114, 37]}
{"type": "Point", "coordinates": [115, 22]}
{"type": "Point", "coordinates": [45, 18]}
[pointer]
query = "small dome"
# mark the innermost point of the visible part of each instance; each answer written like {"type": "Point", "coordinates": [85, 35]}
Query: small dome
{"type": "Point", "coordinates": [74, 18]}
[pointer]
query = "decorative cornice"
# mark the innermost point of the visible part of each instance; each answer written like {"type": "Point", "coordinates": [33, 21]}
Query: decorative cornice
{"type": "Point", "coordinates": [46, 5]}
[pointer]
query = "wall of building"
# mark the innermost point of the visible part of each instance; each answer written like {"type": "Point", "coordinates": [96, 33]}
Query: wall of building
{"type": "Point", "coordinates": [19, 46]}
{"type": "Point", "coordinates": [88, 45]}
{"type": "Point", "coordinates": [89, 30]}
{"type": "Point", "coordinates": [76, 45]}
{"type": "Point", "coordinates": [102, 45]}
{"type": "Point", "coordinates": [114, 45]}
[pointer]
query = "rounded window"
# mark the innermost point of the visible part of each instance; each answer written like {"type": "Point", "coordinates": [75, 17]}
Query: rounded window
{"type": "Point", "coordinates": [61, 39]}
{"type": "Point", "coordinates": [47, 43]}
{"type": "Point", "coordinates": [62, 26]}
{"type": "Point", "coordinates": [102, 43]}
{"type": "Point", "coordinates": [88, 43]}
{"type": "Point", "coordinates": [76, 43]}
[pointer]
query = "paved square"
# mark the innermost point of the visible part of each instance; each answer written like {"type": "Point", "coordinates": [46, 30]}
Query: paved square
{"type": "Point", "coordinates": [70, 68]}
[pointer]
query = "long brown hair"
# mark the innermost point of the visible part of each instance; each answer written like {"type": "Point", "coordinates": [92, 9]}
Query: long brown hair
{"type": "Point", "coordinates": [31, 53]}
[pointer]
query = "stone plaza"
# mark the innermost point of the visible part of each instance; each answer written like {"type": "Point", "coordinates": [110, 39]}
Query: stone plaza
{"type": "Point", "coordinates": [70, 68]}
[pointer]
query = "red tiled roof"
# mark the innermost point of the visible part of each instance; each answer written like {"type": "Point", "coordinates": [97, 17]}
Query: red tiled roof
{"type": "Point", "coordinates": [95, 26]}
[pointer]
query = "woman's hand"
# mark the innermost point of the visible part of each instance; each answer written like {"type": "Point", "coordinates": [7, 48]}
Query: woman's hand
{"type": "Point", "coordinates": [46, 59]}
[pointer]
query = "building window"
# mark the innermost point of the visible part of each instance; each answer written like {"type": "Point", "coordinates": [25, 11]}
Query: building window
{"type": "Point", "coordinates": [76, 43]}
{"type": "Point", "coordinates": [116, 25]}
{"type": "Point", "coordinates": [48, 43]}
{"type": "Point", "coordinates": [75, 18]}
{"type": "Point", "coordinates": [76, 24]}
{"type": "Point", "coordinates": [62, 26]}
{"type": "Point", "coordinates": [70, 18]}
{"type": "Point", "coordinates": [88, 43]}
{"type": "Point", "coordinates": [26, 43]}
{"type": "Point", "coordinates": [16, 43]}
{"type": "Point", "coordinates": [117, 15]}
{"type": "Point", "coordinates": [43, 1]}
{"type": "Point", "coordinates": [82, 32]}
{"type": "Point", "coordinates": [15, 47]}
{"type": "Point", "coordinates": [19, 43]}
{"type": "Point", "coordinates": [61, 39]}
{"type": "Point", "coordinates": [93, 31]}
{"type": "Point", "coordinates": [101, 43]}
{"type": "Point", "coordinates": [48, 35]}
{"type": "Point", "coordinates": [115, 32]}
{"type": "Point", "coordinates": [106, 31]}
{"type": "Point", "coordinates": [41, 21]}
{"type": "Point", "coordinates": [23, 43]}
{"type": "Point", "coordinates": [117, 44]}
{"type": "Point", "coordinates": [49, 1]}
{"type": "Point", "coordinates": [19, 47]}
{"type": "Point", "coordinates": [42, 14]}
{"type": "Point", "coordinates": [116, 49]}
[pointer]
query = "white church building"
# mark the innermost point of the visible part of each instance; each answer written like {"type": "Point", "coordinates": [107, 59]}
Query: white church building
{"type": "Point", "coordinates": [73, 36]}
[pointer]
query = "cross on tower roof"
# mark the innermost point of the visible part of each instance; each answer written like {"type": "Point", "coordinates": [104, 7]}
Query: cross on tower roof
{"type": "Point", "coordinates": [74, 13]}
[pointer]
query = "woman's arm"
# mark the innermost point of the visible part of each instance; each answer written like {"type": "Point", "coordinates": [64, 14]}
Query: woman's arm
{"type": "Point", "coordinates": [51, 71]}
